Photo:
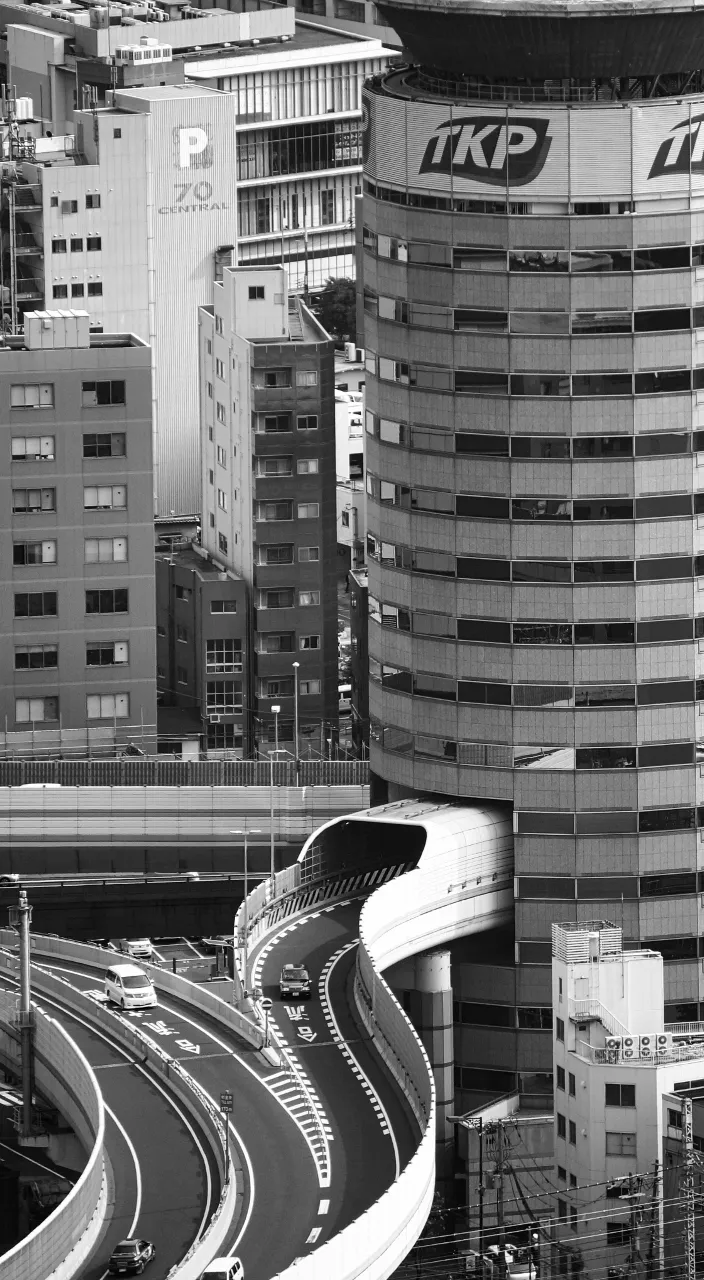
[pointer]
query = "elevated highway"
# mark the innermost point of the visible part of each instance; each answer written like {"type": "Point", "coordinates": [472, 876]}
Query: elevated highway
{"type": "Point", "coordinates": [334, 1141]}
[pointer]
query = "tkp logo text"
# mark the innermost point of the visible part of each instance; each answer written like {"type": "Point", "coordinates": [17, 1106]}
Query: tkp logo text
{"type": "Point", "coordinates": [683, 152]}
{"type": "Point", "coordinates": [193, 148]}
{"type": "Point", "coordinates": [489, 149]}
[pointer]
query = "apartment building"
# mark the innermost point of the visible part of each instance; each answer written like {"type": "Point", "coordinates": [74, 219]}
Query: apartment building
{"type": "Point", "coordinates": [268, 492]}
{"type": "Point", "coordinates": [77, 597]}
{"type": "Point", "coordinates": [201, 652]}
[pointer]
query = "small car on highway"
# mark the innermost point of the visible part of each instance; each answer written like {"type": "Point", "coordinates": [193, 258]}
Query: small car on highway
{"type": "Point", "coordinates": [138, 948]}
{"type": "Point", "coordinates": [130, 1257]}
{"type": "Point", "coordinates": [223, 1269]}
{"type": "Point", "coordinates": [294, 981]}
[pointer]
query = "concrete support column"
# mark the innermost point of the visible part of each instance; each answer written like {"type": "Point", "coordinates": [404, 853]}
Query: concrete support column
{"type": "Point", "coordinates": [431, 1014]}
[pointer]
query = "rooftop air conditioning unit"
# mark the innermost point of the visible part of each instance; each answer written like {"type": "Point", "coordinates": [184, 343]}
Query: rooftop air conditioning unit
{"type": "Point", "coordinates": [663, 1042]}
{"type": "Point", "coordinates": [631, 1046]}
{"type": "Point", "coordinates": [614, 1044]}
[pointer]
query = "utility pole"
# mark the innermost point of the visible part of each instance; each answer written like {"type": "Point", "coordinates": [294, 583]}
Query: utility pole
{"type": "Point", "coordinates": [500, 1182]}
{"type": "Point", "coordinates": [653, 1260]}
{"type": "Point", "coordinates": [20, 918]}
{"type": "Point", "coordinates": [688, 1190]}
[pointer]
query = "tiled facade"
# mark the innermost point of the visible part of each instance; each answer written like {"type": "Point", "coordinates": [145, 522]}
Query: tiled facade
{"type": "Point", "coordinates": [534, 420]}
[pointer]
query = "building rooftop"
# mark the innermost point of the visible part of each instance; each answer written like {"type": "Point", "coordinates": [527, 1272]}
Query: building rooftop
{"type": "Point", "coordinates": [189, 556]}
{"type": "Point", "coordinates": [309, 47]}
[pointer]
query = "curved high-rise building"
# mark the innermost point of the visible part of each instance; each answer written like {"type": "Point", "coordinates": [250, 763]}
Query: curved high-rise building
{"type": "Point", "coordinates": [533, 272]}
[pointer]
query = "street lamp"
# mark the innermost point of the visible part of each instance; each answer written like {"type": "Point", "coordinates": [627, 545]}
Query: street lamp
{"type": "Point", "coordinates": [295, 665]}
{"type": "Point", "coordinates": [275, 752]}
{"type": "Point", "coordinates": [244, 831]}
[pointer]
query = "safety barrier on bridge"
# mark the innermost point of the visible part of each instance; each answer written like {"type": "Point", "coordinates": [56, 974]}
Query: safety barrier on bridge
{"type": "Point", "coordinates": [57, 1248]}
{"type": "Point", "coordinates": [460, 881]}
{"type": "Point", "coordinates": [131, 771]}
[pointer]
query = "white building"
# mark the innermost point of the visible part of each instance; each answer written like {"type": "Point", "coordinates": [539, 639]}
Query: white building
{"type": "Point", "coordinates": [299, 149]}
{"type": "Point", "coordinates": [620, 1078]}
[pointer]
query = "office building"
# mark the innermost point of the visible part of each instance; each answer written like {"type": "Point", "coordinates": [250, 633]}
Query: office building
{"type": "Point", "coordinates": [299, 149]}
{"type": "Point", "coordinates": [201, 653]}
{"type": "Point", "coordinates": [77, 591]}
{"type": "Point", "coordinates": [268, 493]}
{"type": "Point", "coordinates": [625, 1123]}
{"type": "Point", "coordinates": [532, 254]}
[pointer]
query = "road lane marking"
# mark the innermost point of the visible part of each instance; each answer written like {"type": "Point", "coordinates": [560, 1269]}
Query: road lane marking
{"type": "Point", "coordinates": [323, 1206]}
{"type": "Point", "coordinates": [324, 990]}
{"type": "Point", "coordinates": [314, 1235]}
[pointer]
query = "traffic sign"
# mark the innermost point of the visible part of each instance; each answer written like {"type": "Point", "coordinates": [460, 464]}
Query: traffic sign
{"type": "Point", "coordinates": [226, 1103]}
{"type": "Point", "coordinates": [266, 1003]}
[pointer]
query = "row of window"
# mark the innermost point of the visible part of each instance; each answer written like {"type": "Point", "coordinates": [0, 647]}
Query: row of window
{"type": "Point", "coordinates": [223, 697]}
{"type": "Point", "coordinates": [93, 289]}
{"type": "Point", "coordinates": [432, 439]}
{"type": "Point", "coordinates": [287, 598]}
{"type": "Point", "coordinates": [617, 1144]}
{"type": "Point", "coordinates": [540, 323]}
{"type": "Point", "coordinates": [71, 206]}
{"type": "Point", "coordinates": [608, 888]}
{"type": "Point", "coordinates": [300, 148]}
{"type": "Point", "coordinates": [109, 444]}
{"type": "Point", "coordinates": [99, 706]}
{"type": "Point", "coordinates": [480, 507]}
{"type": "Point", "coordinates": [579, 572]}
{"type": "Point", "coordinates": [103, 497]}
{"type": "Point", "coordinates": [40, 395]}
{"type": "Point", "coordinates": [282, 465]}
{"type": "Point", "coordinates": [95, 551]}
{"type": "Point", "coordinates": [93, 244]}
{"type": "Point", "coordinates": [490, 631]}
{"type": "Point", "coordinates": [283, 687]}
{"type": "Point", "coordinates": [185, 594]}
{"type": "Point", "coordinates": [542, 261]}
{"type": "Point", "coordinates": [493, 755]}
{"type": "Point", "coordinates": [44, 604]}
{"type": "Point", "coordinates": [608, 822]}
{"type": "Point", "coordinates": [42, 657]}
{"type": "Point", "coordinates": [282, 553]}
{"type": "Point", "coordinates": [480, 382]}
{"type": "Point", "coordinates": [275, 423]}
{"type": "Point", "coordinates": [284, 642]}
{"type": "Point", "coordinates": [262, 378]}
{"type": "Point", "coordinates": [425, 685]}
{"type": "Point", "coordinates": [283, 510]}
{"type": "Point", "coordinates": [474, 1014]}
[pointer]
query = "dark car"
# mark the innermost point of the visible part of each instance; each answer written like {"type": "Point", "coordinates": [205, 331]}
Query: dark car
{"type": "Point", "coordinates": [130, 1257]}
{"type": "Point", "coordinates": [294, 981]}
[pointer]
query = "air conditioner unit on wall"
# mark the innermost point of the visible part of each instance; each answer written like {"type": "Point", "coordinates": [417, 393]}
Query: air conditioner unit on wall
{"type": "Point", "coordinates": [663, 1041]}
{"type": "Point", "coordinates": [631, 1046]}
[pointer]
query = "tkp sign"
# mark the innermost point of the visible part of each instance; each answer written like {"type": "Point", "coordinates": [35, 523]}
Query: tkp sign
{"type": "Point", "coordinates": [490, 149]}
{"type": "Point", "coordinates": [683, 152]}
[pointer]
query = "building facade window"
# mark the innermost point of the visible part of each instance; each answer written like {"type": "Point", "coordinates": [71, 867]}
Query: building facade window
{"type": "Point", "coordinates": [108, 706]}
{"type": "Point", "coordinates": [111, 601]}
{"type": "Point", "coordinates": [113, 653]}
{"type": "Point", "coordinates": [34, 552]}
{"type": "Point", "coordinates": [36, 604]}
{"type": "Point", "coordinates": [36, 657]}
{"type": "Point", "coordinates": [36, 710]}
{"type": "Point", "coordinates": [106, 497]}
{"type": "Point", "coordinates": [105, 393]}
{"type": "Point", "coordinates": [223, 606]}
{"type": "Point", "coordinates": [106, 445]}
{"type": "Point", "coordinates": [33, 500]}
{"type": "Point", "coordinates": [33, 448]}
{"type": "Point", "coordinates": [223, 656]}
{"type": "Point", "coordinates": [105, 550]}
{"type": "Point", "coordinates": [223, 697]}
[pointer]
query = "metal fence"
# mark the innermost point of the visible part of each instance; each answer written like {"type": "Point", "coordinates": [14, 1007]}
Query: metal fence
{"type": "Point", "coordinates": [136, 772]}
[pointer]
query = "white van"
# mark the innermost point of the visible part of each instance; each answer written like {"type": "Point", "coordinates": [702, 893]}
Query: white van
{"type": "Point", "coordinates": [344, 699]}
{"type": "Point", "coordinates": [223, 1269]}
{"type": "Point", "coordinates": [128, 986]}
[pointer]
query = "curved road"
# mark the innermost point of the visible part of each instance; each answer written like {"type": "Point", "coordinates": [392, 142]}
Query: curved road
{"type": "Point", "coordinates": [312, 1161]}
{"type": "Point", "coordinates": [163, 1183]}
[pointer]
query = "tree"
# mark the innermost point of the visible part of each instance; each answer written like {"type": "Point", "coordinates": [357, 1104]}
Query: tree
{"type": "Point", "coordinates": [336, 308]}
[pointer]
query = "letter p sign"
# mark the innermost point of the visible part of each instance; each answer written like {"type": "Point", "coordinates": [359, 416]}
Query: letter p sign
{"type": "Point", "coordinates": [191, 142]}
